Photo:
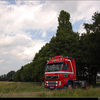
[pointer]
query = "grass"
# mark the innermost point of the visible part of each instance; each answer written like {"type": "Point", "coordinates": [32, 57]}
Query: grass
{"type": "Point", "coordinates": [12, 89]}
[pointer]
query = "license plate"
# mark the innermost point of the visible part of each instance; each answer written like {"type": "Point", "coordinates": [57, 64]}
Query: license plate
{"type": "Point", "coordinates": [51, 87]}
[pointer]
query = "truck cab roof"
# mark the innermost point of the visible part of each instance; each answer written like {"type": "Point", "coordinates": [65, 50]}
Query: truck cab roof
{"type": "Point", "coordinates": [58, 59]}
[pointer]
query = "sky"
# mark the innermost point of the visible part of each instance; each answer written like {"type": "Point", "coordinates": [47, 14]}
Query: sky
{"type": "Point", "coordinates": [26, 26]}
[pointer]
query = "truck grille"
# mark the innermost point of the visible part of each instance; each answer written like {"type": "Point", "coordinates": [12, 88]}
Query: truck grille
{"type": "Point", "coordinates": [52, 77]}
{"type": "Point", "coordinates": [51, 81]}
{"type": "Point", "coordinates": [51, 84]}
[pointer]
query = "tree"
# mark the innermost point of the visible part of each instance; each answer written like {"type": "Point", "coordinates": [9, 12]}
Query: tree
{"type": "Point", "coordinates": [10, 75]}
{"type": "Point", "coordinates": [92, 45]}
{"type": "Point", "coordinates": [64, 24]}
{"type": "Point", "coordinates": [17, 76]}
{"type": "Point", "coordinates": [64, 43]}
{"type": "Point", "coordinates": [26, 73]}
{"type": "Point", "coordinates": [3, 77]}
{"type": "Point", "coordinates": [66, 40]}
{"type": "Point", "coordinates": [95, 26]}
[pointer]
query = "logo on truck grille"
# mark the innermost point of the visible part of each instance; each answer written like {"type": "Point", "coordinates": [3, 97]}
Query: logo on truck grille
{"type": "Point", "coordinates": [52, 77]}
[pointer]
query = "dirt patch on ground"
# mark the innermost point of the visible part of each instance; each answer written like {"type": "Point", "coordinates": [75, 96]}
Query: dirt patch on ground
{"type": "Point", "coordinates": [7, 82]}
{"type": "Point", "coordinates": [24, 94]}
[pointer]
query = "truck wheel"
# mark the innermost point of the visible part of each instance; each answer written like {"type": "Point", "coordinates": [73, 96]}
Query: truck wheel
{"type": "Point", "coordinates": [86, 85]}
{"type": "Point", "coordinates": [69, 85]}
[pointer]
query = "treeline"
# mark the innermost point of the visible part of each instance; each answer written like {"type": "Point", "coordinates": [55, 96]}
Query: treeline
{"type": "Point", "coordinates": [85, 49]}
{"type": "Point", "coordinates": [8, 76]}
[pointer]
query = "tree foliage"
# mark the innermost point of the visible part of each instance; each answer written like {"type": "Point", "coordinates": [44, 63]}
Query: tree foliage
{"type": "Point", "coordinates": [8, 76]}
{"type": "Point", "coordinates": [91, 47]}
{"type": "Point", "coordinates": [85, 49]}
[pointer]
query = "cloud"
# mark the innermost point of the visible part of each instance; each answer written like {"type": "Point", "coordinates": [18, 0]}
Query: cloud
{"type": "Point", "coordinates": [44, 34]}
{"type": "Point", "coordinates": [33, 15]}
{"type": "Point", "coordinates": [18, 53]}
{"type": "Point", "coordinates": [1, 60]}
{"type": "Point", "coordinates": [19, 18]}
{"type": "Point", "coordinates": [81, 29]}
{"type": "Point", "coordinates": [14, 41]}
{"type": "Point", "coordinates": [20, 46]}
{"type": "Point", "coordinates": [85, 11]}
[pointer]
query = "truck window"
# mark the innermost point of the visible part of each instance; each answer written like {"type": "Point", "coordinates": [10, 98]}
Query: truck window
{"type": "Point", "coordinates": [66, 66]}
{"type": "Point", "coordinates": [54, 67]}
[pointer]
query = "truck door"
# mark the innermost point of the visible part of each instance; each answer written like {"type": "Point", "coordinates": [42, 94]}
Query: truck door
{"type": "Point", "coordinates": [68, 70]}
{"type": "Point", "coordinates": [70, 66]}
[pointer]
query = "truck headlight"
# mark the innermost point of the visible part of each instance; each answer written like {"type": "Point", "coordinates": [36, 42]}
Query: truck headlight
{"type": "Point", "coordinates": [56, 81]}
{"type": "Point", "coordinates": [59, 82]}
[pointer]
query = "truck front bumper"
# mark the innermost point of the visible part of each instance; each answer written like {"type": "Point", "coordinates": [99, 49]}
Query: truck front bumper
{"type": "Point", "coordinates": [53, 87]}
{"type": "Point", "coordinates": [55, 84]}
{"type": "Point", "coordinates": [63, 87]}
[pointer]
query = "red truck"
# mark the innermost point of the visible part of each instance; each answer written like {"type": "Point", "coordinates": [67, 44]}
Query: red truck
{"type": "Point", "coordinates": [60, 72]}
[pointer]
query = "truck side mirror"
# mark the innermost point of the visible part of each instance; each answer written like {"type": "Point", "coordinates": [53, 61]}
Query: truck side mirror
{"type": "Point", "coordinates": [45, 66]}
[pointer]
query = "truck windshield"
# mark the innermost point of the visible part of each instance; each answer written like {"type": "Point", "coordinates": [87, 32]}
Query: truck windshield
{"type": "Point", "coordinates": [54, 67]}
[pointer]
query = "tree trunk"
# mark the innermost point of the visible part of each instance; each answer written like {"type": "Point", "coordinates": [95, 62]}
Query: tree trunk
{"type": "Point", "coordinates": [95, 78]}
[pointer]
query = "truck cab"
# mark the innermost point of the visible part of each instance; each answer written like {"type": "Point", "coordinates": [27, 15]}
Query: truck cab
{"type": "Point", "coordinates": [60, 72]}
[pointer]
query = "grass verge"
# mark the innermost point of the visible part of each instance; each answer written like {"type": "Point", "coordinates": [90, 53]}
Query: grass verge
{"type": "Point", "coordinates": [11, 89]}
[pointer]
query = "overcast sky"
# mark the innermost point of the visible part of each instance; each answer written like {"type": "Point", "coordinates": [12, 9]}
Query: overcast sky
{"type": "Point", "coordinates": [25, 26]}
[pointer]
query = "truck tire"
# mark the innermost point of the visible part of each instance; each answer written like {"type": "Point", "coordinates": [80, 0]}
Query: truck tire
{"type": "Point", "coordinates": [86, 86]}
{"type": "Point", "coordinates": [69, 85]}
